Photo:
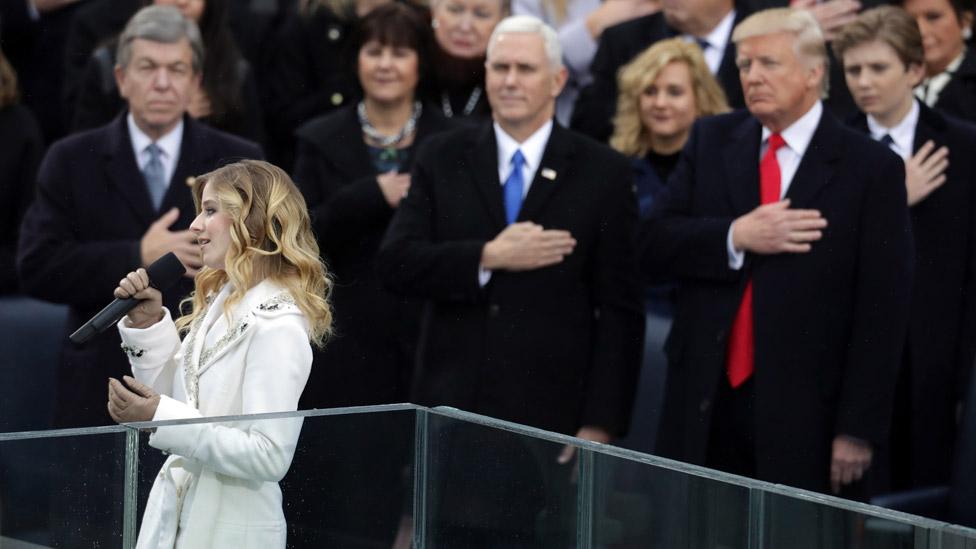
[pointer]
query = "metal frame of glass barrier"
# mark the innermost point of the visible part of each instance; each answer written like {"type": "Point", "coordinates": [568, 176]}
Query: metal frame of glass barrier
{"type": "Point", "coordinates": [928, 534]}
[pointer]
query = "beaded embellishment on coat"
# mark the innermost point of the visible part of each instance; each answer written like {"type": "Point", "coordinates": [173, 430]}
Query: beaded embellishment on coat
{"type": "Point", "coordinates": [133, 351]}
{"type": "Point", "coordinates": [276, 301]}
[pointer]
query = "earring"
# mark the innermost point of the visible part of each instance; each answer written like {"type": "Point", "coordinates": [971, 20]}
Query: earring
{"type": "Point", "coordinates": [434, 24]}
{"type": "Point", "coordinates": [967, 33]}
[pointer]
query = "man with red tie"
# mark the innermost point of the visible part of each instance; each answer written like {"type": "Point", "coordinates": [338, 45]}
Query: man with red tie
{"type": "Point", "coordinates": [790, 239]}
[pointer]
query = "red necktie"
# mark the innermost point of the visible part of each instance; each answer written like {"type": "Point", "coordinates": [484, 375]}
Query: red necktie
{"type": "Point", "coordinates": [740, 357]}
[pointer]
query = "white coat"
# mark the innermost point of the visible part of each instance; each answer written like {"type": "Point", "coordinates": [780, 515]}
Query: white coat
{"type": "Point", "coordinates": [219, 487]}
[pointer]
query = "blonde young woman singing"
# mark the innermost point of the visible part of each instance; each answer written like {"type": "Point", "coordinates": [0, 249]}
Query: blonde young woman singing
{"type": "Point", "coordinates": [260, 303]}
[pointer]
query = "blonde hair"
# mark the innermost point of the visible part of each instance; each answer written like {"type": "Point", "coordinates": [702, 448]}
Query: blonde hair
{"type": "Point", "coordinates": [270, 238]}
{"type": "Point", "coordinates": [809, 44]}
{"type": "Point", "coordinates": [630, 136]}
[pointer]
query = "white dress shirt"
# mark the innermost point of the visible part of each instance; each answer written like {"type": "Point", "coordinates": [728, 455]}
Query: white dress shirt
{"type": "Point", "coordinates": [717, 40]}
{"type": "Point", "coordinates": [532, 150]}
{"type": "Point", "coordinates": [797, 138]}
{"type": "Point", "coordinates": [930, 88]}
{"type": "Point", "coordinates": [902, 134]}
{"type": "Point", "coordinates": [169, 144]}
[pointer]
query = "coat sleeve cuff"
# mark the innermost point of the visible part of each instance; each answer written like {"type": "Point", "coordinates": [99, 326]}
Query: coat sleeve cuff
{"type": "Point", "coordinates": [148, 347]}
{"type": "Point", "coordinates": [173, 438]}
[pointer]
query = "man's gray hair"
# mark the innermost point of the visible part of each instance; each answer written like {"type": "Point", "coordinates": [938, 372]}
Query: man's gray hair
{"type": "Point", "coordinates": [808, 43]}
{"type": "Point", "coordinates": [164, 24]}
{"type": "Point", "coordinates": [530, 25]}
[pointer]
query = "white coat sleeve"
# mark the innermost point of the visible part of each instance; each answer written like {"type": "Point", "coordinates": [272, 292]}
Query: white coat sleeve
{"type": "Point", "coordinates": [152, 352]}
{"type": "Point", "coordinates": [278, 362]}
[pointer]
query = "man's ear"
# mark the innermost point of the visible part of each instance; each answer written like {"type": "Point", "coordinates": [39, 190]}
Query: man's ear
{"type": "Point", "coordinates": [120, 80]}
{"type": "Point", "coordinates": [916, 72]}
{"type": "Point", "coordinates": [559, 80]}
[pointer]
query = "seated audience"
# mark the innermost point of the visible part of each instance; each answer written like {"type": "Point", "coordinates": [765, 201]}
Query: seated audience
{"type": "Point", "coordinates": [580, 24]}
{"type": "Point", "coordinates": [662, 92]}
{"type": "Point", "coordinates": [310, 70]}
{"type": "Point", "coordinates": [227, 98]}
{"type": "Point", "coordinates": [950, 64]}
{"type": "Point", "coordinates": [461, 31]}
{"type": "Point", "coordinates": [19, 156]}
{"type": "Point", "coordinates": [883, 58]}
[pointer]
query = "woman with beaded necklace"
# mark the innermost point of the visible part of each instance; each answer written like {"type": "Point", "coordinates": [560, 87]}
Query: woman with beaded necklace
{"type": "Point", "coordinates": [353, 167]}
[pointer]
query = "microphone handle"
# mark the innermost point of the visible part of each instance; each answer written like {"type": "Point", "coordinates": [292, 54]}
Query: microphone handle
{"type": "Point", "coordinates": [105, 319]}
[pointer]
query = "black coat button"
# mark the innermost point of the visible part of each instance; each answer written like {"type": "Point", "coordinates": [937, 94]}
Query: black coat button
{"type": "Point", "coordinates": [493, 310]}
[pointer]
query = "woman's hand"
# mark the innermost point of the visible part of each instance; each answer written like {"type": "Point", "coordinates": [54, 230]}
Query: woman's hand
{"type": "Point", "coordinates": [394, 186]}
{"type": "Point", "coordinates": [150, 308]}
{"type": "Point", "coordinates": [137, 402]}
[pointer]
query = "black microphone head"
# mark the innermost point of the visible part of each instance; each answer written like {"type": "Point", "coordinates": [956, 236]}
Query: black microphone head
{"type": "Point", "coordinates": [165, 271]}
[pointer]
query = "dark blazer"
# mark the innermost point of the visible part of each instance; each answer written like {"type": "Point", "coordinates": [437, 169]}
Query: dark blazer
{"type": "Point", "coordinates": [310, 73]}
{"type": "Point", "coordinates": [829, 324]}
{"type": "Point", "coordinates": [619, 44]}
{"type": "Point", "coordinates": [82, 234]}
{"type": "Point", "coordinates": [941, 342]}
{"type": "Point", "coordinates": [19, 157]}
{"type": "Point", "coordinates": [556, 348]}
{"type": "Point", "coordinates": [369, 360]}
{"type": "Point", "coordinates": [958, 98]}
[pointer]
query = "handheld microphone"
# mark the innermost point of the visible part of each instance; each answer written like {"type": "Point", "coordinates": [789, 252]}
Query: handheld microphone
{"type": "Point", "coordinates": [163, 273]}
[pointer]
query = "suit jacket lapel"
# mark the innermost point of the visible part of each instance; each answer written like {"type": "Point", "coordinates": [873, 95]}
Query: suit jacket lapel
{"type": "Point", "coordinates": [930, 125]}
{"type": "Point", "coordinates": [555, 161]}
{"type": "Point", "coordinates": [741, 158]}
{"type": "Point", "coordinates": [483, 157]}
{"type": "Point", "coordinates": [353, 158]}
{"type": "Point", "coordinates": [123, 171]}
{"type": "Point", "coordinates": [816, 168]}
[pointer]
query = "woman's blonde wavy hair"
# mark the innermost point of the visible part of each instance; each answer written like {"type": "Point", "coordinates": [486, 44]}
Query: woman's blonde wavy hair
{"type": "Point", "coordinates": [630, 137]}
{"type": "Point", "coordinates": [270, 237]}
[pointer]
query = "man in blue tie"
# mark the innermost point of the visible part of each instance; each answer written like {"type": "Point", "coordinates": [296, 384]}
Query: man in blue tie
{"type": "Point", "coordinates": [521, 235]}
{"type": "Point", "coordinates": [115, 198]}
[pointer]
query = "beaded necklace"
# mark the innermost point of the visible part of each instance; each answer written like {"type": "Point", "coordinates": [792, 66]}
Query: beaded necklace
{"type": "Point", "coordinates": [388, 140]}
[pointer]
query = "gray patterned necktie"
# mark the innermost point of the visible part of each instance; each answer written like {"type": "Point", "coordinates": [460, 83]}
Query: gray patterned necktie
{"type": "Point", "coordinates": [155, 175]}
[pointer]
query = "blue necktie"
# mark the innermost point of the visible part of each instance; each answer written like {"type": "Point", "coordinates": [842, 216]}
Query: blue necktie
{"type": "Point", "coordinates": [513, 188]}
{"type": "Point", "coordinates": [155, 175]}
{"type": "Point", "coordinates": [887, 140]}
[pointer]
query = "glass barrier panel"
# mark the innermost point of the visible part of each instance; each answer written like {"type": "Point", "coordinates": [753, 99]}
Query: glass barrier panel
{"type": "Point", "coordinates": [790, 521]}
{"type": "Point", "coordinates": [639, 504]}
{"type": "Point", "coordinates": [488, 487]}
{"type": "Point", "coordinates": [62, 489]}
{"type": "Point", "coordinates": [332, 478]}
{"type": "Point", "coordinates": [958, 537]}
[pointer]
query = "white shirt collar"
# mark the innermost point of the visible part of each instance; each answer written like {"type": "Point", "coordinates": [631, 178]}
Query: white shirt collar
{"type": "Point", "coordinates": [532, 149]}
{"type": "Point", "coordinates": [718, 40]}
{"type": "Point", "coordinates": [719, 37]}
{"type": "Point", "coordinates": [799, 134]}
{"type": "Point", "coordinates": [930, 88]}
{"type": "Point", "coordinates": [169, 143]}
{"type": "Point", "coordinates": [902, 133]}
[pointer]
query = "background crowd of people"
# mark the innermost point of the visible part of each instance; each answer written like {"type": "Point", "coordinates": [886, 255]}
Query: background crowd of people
{"type": "Point", "coordinates": [514, 211]}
